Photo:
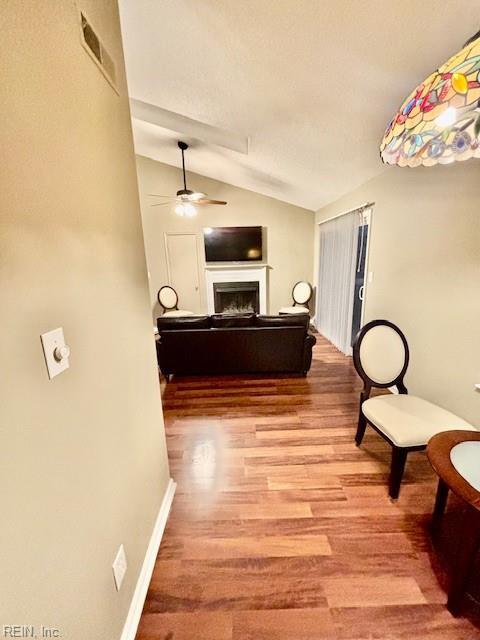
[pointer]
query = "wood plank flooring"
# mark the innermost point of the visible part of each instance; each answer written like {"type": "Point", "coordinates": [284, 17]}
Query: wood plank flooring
{"type": "Point", "coordinates": [282, 529]}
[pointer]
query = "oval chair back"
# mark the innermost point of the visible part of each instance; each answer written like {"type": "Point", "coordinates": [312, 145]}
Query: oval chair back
{"type": "Point", "coordinates": [380, 356]}
{"type": "Point", "coordinates": [167, 298]}
{"type": "Point", "coordinates": [301, 293]}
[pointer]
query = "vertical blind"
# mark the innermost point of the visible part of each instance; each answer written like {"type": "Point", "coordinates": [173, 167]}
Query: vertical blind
{"type": "Point", "coordinates": [336, 280]}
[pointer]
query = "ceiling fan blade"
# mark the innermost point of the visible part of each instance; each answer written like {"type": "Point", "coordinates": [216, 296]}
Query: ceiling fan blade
{"type": "Point", "coordinates": [209, 201]}
{"type": "Point", "coordinates": [156, 195]}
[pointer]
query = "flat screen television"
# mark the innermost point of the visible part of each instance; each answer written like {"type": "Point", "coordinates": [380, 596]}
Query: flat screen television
{"type": "Point", "coordinates": [232, 244]}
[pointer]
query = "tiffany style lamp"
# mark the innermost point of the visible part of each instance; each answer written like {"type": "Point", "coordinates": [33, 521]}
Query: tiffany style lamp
{"type": "Point", "coordinates": [439, 122]}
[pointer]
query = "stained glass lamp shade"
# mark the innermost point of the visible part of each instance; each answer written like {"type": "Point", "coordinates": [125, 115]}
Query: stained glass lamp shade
{"type": "Point", "coordinates": [439, 122]}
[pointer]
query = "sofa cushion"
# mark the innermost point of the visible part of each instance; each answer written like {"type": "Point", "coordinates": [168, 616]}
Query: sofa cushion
{"type": "Point", "coordinates": [298, 320]}
{"type": "Point", "coordinates": [169, 323]}
{"type": "Point", "coordinates": [232, 320]}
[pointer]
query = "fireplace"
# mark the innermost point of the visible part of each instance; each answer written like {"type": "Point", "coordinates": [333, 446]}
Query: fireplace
{"type": "Point", "coordinates": [240, 287]}
{"type": "Point", "coordinates": [236, 297]}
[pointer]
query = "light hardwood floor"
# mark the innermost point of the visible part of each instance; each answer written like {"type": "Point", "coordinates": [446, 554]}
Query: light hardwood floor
{"type": "Point", "coordinates": [281, 528]}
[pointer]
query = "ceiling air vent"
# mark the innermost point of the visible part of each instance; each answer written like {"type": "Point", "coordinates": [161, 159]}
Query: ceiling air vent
{"type": "Point", "coordinates": [97, 51]}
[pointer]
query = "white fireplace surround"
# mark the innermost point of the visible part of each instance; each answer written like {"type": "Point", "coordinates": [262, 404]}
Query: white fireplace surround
{"type": "Point", "coordinates": [237, 273]}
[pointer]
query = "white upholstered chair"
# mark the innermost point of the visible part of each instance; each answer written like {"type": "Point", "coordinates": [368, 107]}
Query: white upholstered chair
{"type": "Point", "coordinates": [301, 294]}
{"type": "Point", "coordinates": [168, 299]}
{"type": "Point", "coordinates": [380, 356]}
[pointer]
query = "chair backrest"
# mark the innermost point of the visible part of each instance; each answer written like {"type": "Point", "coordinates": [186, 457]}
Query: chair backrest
{"type": "Point", "coordinates": [381, 355]}
{"type": "Point", "coordinates": [167, 297]}
{"type": "Point", "coordinates": [302, 292]}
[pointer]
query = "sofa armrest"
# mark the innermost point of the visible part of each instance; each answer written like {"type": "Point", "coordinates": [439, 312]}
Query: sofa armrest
{"type": "Point", "coordinates": [310, 341]}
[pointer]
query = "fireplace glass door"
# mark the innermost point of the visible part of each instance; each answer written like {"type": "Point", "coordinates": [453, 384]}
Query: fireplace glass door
{"type": "Point", "coordinates": [236, 297]}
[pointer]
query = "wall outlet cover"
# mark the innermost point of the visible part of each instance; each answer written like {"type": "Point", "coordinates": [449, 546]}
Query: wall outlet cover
{"type": "Point", "coordinates": [119, 567]}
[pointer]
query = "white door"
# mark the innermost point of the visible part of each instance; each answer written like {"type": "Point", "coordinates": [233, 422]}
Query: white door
{"type": "Point", "coordinates": [182, 265]}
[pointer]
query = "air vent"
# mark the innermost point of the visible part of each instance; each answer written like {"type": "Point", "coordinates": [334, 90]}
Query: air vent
{"type": "Point", "coordinates": [97, 51]}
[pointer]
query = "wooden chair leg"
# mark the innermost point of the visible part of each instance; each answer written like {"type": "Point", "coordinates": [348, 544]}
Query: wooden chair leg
{"type": "Point", "coordinates": [399, 457]}
{"type": "Point", "coordinates": [362, 425]}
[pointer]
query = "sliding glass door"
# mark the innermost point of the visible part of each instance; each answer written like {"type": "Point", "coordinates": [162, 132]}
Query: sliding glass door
{"type": "Point", "coordinates": [343, 245]}
{"type": "Point", "coordinates": [360, 274]}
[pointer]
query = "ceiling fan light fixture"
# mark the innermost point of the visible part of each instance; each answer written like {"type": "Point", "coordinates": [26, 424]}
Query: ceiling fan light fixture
{"type": "Point", "coordinates": [185, 210]}
{"type": "Point", "coordinates": [186, 198]}
{"type": "Point", "coordinates": [197, 195]}
{"type": "Point", "coordinates": [190, 211]}
{"type": "Point", "coordinates": [184, 194]}
{"type": "Point", "coordinates": [187, 195]}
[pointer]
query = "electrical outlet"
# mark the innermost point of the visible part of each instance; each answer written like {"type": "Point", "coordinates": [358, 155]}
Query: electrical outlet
{"type": "Point", "coordinates": [119, 567]}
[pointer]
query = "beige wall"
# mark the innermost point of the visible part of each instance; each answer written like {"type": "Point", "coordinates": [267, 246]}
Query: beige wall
{"type": "Point", "coordinates": [83, 465]}
{"type": "Point", "coordinates": [289, 229]}
{"type": "Point", "coordinates": [425, 258]}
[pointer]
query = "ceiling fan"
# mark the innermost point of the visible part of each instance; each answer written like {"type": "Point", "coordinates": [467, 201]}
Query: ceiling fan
{"type": "Point", "coordinates": [186, 200]}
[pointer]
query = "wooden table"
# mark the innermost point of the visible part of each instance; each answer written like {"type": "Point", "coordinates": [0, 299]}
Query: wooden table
{"type": "Point", "coordinates": [468, 541]}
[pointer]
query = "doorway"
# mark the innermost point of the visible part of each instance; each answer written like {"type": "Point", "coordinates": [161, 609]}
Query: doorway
{"type": "Point", "coordinates": [343, 260]}
{"type": "Point", "coordinates": [182, 267]}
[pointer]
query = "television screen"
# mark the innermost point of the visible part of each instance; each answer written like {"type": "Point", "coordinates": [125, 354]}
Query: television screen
{"type": "Point", "coordinates": [232, 244]}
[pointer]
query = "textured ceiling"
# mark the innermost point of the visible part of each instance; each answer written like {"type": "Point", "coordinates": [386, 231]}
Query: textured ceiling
{"type": "Point", "coordinates": [311, 83]}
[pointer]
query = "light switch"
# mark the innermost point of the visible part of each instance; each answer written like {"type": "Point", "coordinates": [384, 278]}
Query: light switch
{"type": "Point", "coordinates": [56, 352]}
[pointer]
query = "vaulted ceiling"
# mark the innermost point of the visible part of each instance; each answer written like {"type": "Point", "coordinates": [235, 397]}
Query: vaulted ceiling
{"type": "Point", "coordinates": [310, 83]}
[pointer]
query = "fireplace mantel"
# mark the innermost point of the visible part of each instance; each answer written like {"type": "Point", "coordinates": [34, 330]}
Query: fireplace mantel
{"type": "Point", "coordinates": [245, 272]}
{"type": "Point", "coordinates": [236, 265]}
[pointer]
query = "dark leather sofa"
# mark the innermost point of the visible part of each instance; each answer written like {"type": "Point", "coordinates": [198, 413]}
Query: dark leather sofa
{"type": "Point", "coordinates": [229, 344]}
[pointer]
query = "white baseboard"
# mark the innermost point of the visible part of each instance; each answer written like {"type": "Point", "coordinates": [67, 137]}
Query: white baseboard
{"type": "Point", "coordinates": [140, 593]}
